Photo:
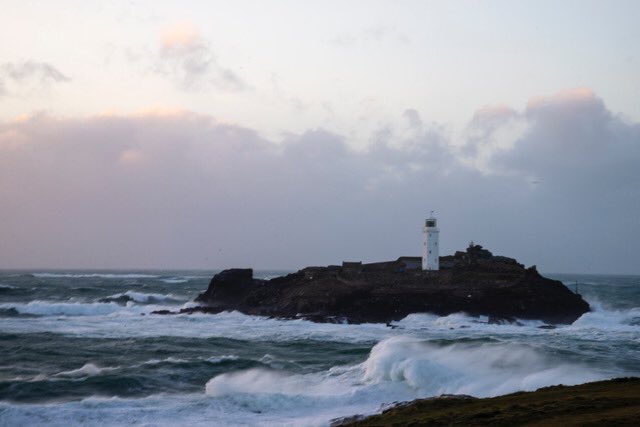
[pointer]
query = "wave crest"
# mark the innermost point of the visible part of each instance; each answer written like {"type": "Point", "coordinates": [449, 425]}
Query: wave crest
{"type": "Point", "coordinates": [141, 298]}
{"type": "Point", "coordinates": [95, 275]}
{"type": "Point", "coordinates": [87, 370]}
{"type": "Point", "coordinates": [49, 308]}
{"type": "Point", "coordinates": [487, 369]}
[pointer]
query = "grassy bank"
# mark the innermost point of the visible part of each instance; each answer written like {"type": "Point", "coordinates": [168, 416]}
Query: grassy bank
{"type": "Point", "coordinates": [603, 403]}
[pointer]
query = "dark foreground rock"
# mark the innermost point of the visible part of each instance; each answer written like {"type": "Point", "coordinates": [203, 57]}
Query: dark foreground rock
{"type": "Point", "coordinates": [603, 403]}
{"type": "Point", "coordinates": [474, 282]}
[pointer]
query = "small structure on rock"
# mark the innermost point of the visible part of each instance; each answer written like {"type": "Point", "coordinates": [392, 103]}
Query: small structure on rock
{"type": "Point", "coordinates": [430, 250]}
{"type": "Point", "coordinates": [410, 262]}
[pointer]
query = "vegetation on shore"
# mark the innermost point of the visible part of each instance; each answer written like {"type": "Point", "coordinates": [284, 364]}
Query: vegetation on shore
{"type": "Point", "coordinates": [603, 403]}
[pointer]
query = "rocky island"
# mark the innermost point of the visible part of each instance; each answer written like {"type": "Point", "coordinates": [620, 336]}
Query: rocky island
{"type": "Point", "coordinates": [473, 281]}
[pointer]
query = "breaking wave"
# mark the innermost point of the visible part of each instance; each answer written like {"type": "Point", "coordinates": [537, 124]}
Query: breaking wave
{"type": "Point", "coordinates": [406, 367]}
{"type": "Point", "coordinates": [174, 280]}
{"type": "Point", "coordinates": [142, 298]}
{"type": "Point", "coordinates": [87, 370]}
{"type": "Point", "coordinates": [95, 275]}
{"type": "Point", "coordinates": [77, 309]}
{"type": "Point", "coordinates": [487, 369]}
{"type": "Point", "coordinates": [602, 317]}
{"type": "Point", "coordinates": [48, 308]}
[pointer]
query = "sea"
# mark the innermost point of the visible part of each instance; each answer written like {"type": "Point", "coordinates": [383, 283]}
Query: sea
{"type": "Point", "coordinates": [83, 348]}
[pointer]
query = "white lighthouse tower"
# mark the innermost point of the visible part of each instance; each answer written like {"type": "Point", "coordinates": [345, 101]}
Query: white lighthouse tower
{"type": "Point", "coordinates": [430, 252]}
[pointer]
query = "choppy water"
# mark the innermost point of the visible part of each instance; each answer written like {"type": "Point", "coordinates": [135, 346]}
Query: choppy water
{"type": "Point", "coordinates": [83, 348]}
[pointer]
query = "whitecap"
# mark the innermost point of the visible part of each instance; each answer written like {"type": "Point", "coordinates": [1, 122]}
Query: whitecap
{"type": "Point", "coordinates": [96, 275]}
{"type": "Point", "coordinates": [220, 359]}
{"type": "Point", "coordinates": [144, 298]}
{"type": "Point", "coordinates": [608, 319]}
{"type": "Point", "coordinates": [104, 313]}
{"type": "Point", "coordinates": [397, 369]}
{"type": "Point", "coordinates": [268, 381]}
{"type": "Point", "coordinates": [174, 280]}
{"type": "Point", "coordinates": [170, 359]}
{"type": "Point", "coordinates": [87, 370]}
{"type": "Point", "coordinates": [487, 369]}
{"type": "Point", "coordinates": [49, 308]}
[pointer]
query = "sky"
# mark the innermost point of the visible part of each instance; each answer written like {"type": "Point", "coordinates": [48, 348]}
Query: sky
{"type": "Point", "coordinates": [281, 134]}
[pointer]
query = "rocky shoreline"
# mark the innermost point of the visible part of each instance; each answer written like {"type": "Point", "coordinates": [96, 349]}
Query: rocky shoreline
{"type": "Point", "coordinates": [474, 282]}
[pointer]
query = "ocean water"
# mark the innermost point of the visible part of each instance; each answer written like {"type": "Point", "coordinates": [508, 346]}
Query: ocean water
{"type": "Point", "coordinates": [81, 347]}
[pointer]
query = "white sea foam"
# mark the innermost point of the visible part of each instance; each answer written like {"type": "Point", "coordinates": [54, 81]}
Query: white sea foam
{"type": "Point", "coordinates": [192, 410]}
{"type": "Point", "coordinates": [87, 370]}
{"type": "Point", "coordinates": [219, 359]}
{"type": "Point", "coordinates": [49, 308]}
{"type": "Point", "coordinates": [487, 369]}
{"type": "Point", "coordinates": [108, 320]}
{"type": "Point", "coordinates": [96, 310]}
{"type": "Point", "coordinates": [419, 368]}
{"type": "Point", "coordinates": [174, 360]}
{"type": "Point", "coordinates": [173, 280]}
{"type": "Point", "coordinates": [397, 369]}
{"type": "Point", "coordinates": [190, 304]}
{"type": "Point", "coordinates": [455, 321]}
{"type": "Point", "coordinates": [419, 356]}
{"type": "Point", "coordinates": [608, 320]}
{"type": "Point", "coordinates": [177, 360]}
{"type": "Point", "coordinates": [141, 297]}
{"type": "Point", "coordinates": [96, 275]}
{"type": "Point", "coordinates": [260, 380]}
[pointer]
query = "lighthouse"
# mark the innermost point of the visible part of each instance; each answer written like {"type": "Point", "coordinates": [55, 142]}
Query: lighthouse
{"type": "Point", "coordinates": [430, 252]}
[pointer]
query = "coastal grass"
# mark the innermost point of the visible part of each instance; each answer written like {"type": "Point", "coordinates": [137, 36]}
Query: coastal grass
{"type": "Point", "coordinates": [604, 403]}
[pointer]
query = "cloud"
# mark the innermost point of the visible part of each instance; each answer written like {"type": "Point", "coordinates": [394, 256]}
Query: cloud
{"type": "Point", "coordinates": [188, 59]}
{"type": "Point", "coordinates": [374, 34]}
{"type": "Point", "coordinates": [573, 138]}
{"type": "Point", "coordinates": [35, 74]}
{"type": "Point", "coordinates": [492, 129]}
{"type": "Point", "coordinates": [381, 33]}
{"type": "Point", "coordinates": [33, 70]}
{"type": "Point", "coordinates": [343, 40]}
{"type": "Point", "coordinates": [131, 157]}
{"type": "Point", "coordinates": [183, 189]}
{"type": "Point", "coordinates": [175, 189]}
{"type": "Point", "coordinates": [182, 37]}
{"type": "Point", "coordinates": [413, 117]}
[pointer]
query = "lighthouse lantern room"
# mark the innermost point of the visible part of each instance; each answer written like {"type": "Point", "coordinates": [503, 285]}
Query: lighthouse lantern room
{"type": "Point", "coordinates": [430, 252]}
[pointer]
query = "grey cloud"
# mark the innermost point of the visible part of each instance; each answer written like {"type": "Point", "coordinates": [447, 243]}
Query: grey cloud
{"type": "Point", "coordinates": [573, 140]}
{"type": "Point", "coordinates": [192, 64]}
{"type": "Point", "coordinates": [485, 123]}
{"type": "Point", "coordinates": [16, 77]}
{"type": "Point", "coordinates": [376, 34]}
{"type": "Point", "coordinates": [343, 40]}
{"type": "Point", "coordinates": [413, 117]}
{"type": "Point", "coordinates": [183, 190]}
{"type": "Point", "coordinates": [382, 32]}
{"type": "Point", "coordinates": [41, 71]}
{"type": "Point", "coordinates": [580, 162]}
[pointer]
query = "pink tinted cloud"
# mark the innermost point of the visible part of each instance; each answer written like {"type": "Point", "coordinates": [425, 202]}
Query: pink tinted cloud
{"type": "Point", "coordinates": [169, 188]}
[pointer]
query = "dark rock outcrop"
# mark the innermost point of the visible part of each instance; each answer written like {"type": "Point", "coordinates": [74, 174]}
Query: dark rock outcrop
{"type": "Point", "coordinates": [474, 282]}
